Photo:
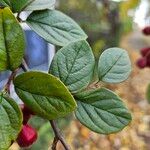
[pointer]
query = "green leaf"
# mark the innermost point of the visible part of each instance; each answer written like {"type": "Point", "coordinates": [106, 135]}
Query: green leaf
{"type": "Point", "coordinates": [55, 27]}
{"type": "Point", "coordinates": [10, 121]}
{"type": "Point", "coordinates": [74, 65]}
{"type": "Point", "coordinates": [102, 111]}
{"type": "Point", "coordinates": [5, 3]}
{"type": "Point", "coordinates": [114, 65]}
{"type": "Point", "coordinates": [30, 5]}
{"type": "Point", "coordinates": [44, 94]}
{"type": "Point", "coordinates": [12, 41]}
{"type": "Point", "coordinates": [148, 93]}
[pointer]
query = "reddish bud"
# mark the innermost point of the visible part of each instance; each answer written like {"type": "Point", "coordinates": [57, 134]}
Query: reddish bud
{"type": "Point", "coordinates": [146, 30]}
{"type": "Point", "coordinates": [27, 136]}
{"type": "Point", "coordinates": [27, 113]}
{"type": "Point", "coordinates": [144, 51]}
{"type": "Point", "coordinates": [141, 63]}
{"type": "Point", "coordinates": [26, 118]}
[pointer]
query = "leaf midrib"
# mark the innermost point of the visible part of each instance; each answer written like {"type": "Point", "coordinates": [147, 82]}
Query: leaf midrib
{"type": "Point", "coordinates": [112, 66]}
{"type": "Point", "coordinates": [103, 109]}
{"type": "Point", "coordinates": [69, 70]}
{"type": "Point", "coordinates": [34, 92]}
{"type": "Point", "coordinates": [52, 26]}
{"type": "Point", "coordinates": [6, 47]}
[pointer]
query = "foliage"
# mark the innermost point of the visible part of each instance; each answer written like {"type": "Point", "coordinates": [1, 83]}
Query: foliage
{"type": "Point", "coordinates": [64, 89]}
{"type": "Point", "coordinates": [11, 120]}
{"type": "Point", "coordinates": [101, 22]}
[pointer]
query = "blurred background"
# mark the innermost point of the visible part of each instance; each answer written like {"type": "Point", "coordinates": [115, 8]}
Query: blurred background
{"type": "Point", "coordinates": [108, 23]}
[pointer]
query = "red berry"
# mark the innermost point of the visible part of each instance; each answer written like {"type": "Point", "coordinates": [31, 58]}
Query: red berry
{"type": "Point", "coordinates": [144, 51]}
{"type": "Point", "coordinates": [146, 30]}
{"type": "Point", "coordinates": [148, 60]}
{"type": "Point", "coordinates": [141, 63]}
{"type": "Point", "coordinates": [27, 136]}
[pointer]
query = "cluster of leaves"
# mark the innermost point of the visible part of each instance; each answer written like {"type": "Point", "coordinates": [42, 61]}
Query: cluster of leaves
{"type": "Point", "coordinates": [105, 25]}
{"type": "Point", "coordinates": [62, 90]}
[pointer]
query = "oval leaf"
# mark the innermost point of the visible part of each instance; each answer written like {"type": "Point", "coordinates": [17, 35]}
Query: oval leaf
{"type": "Point", "coordinates": [102, 111]}
{"type": "Point", "coordinates": [114, 65]}
{"type": "Point", "coordinates": [55, 27]}
{"type": "Point", "coordinates": [74, 65]}
{"type": "Point", "coordinates": [30, 5]}
{"type": "Point", "coordinates": [12, 41]}
{"type": "Point", "coordinates": [10, 122]}
{"type": "Point", "coordinates": [44, 94]}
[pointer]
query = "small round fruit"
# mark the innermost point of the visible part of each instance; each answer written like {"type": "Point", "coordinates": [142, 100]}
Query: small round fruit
{"type": "Point", "coordinates": [146, 30]}
{"type": "Point", "coordinates": [148, 60]}
{"type": "Point", "coordinates": [27, 136]}
{"type": "Point", "coordinates": [145, 51]}
{"type": "Point", "coordinates": [141, 63]}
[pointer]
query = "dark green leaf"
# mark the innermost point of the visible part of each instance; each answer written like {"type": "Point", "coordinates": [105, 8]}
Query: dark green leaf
{"type": "Point", "coordinates": [102, 111]}
{"type": "Point", "coordinates": [5, 3]}
{"type": "Point", "coordinates": [23, 5]}
{"type": "Point", "coordinates": [74, 65]}
{"type": "Point", "coordinates": [44, 94]}
{"type": "Point", "coordinates": [55, 27]}
{"type": "Point", "coordinates": [114, 65]}
{"type": "Point", "coordinates": [12, 42]}
{"type": "Point", "coordinates": [10, 121]}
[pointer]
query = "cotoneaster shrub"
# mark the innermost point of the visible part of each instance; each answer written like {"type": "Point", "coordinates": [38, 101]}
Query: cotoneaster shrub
{"type": "Point", "coordinates": [63, 89]}
{"type": "Point", "coordinates": [144, 60]}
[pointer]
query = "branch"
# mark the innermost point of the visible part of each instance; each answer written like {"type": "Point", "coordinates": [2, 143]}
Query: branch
{"type": "Point", "coordinates": [58, 136]}
{"type": "Point", "coordinates": [55, 141]}
{"type": "Point", "coordinates": [10, 79]}
{"type": "Point", "coordinates": [13, 74]}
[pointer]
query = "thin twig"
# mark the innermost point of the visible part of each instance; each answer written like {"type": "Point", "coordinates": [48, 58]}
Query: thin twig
{"type": "Point", "coordinates": [10, 79]}
{"type": "Point", "coordinates": [58, 136]}
{"type": "Point", "coordinates": [24, 66]}
{"type": "Point", "coordinates": [55, 141]}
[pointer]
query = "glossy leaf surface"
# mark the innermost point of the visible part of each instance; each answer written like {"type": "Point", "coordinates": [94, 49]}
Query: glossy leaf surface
{"type": "Point", "coordinates": [12, 42]}
{"type": "Point", "coordinates": [44, 94]}
{"type": "Point", "coordinates": [10, 121]}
